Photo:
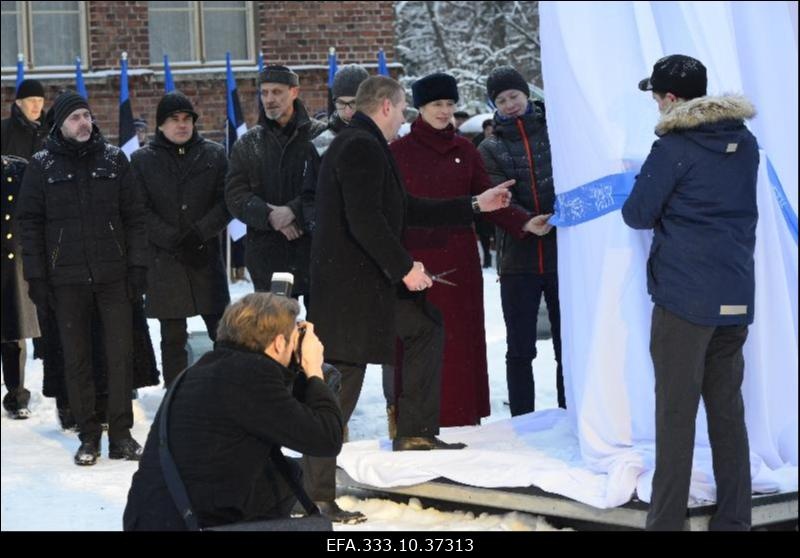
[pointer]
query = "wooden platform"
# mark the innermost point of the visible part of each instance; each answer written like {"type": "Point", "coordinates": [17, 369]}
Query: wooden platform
{"type": "Point", "coordinates": [767, 509]}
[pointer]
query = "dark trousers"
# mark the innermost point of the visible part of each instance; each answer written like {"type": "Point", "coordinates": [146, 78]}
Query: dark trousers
{"type": "Point", "coordinates": [174, 358]}
{"type": "Point", "coordinates": [521, 295]}
{"type": "Point", "coordinates": [320, 472]}
{"type": "Point", "coordinates": [13, 359]}
{"type": "Point", "coordinates": [691, 361]}
{"type": "Point", "coordinates": [74, 305]}
{"type": "Point", "coordinates": [419, 327]}
{"type": "Point", "coordinates": [485, 231]}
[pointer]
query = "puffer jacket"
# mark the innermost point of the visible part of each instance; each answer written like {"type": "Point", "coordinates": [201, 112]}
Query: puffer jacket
{"type": "Point", "coordinates": [81, 218]}
{"type": "Point", "coordinates": [520, 149]}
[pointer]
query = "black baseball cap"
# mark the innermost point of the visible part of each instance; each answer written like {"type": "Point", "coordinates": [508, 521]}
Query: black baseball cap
{"type": "Point", "coordinates": [681, 75]}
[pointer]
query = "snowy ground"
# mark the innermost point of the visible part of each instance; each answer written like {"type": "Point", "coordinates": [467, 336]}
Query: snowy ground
{"type": "Point", "coordinates": [43, 490]}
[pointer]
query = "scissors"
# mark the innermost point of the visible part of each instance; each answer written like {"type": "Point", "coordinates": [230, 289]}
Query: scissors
{"type": "Point", "coordinates": [438, 277]}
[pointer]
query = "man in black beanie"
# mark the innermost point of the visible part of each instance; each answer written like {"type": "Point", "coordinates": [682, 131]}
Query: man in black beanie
{"type": "Point", "coordinates": [345, 86]}
{"type": "Point", "coordinates": [22, 134]}
{"type": "Point", "coordinates": [187, 277]}
{"type": "Point", "coordinates": [528, 267]}
{"type": "Point", "coordinates": [268, 168]}
{"type": "Point", "coordinates": [83, 245]}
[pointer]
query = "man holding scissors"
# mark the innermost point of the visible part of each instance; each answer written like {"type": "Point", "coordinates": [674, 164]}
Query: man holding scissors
{"type": "Point", "coordinates": [364, 282]}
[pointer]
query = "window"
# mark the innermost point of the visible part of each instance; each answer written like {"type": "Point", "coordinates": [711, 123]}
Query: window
{"type": "Point", "coordinates": [200, 32]}
{"type": "Point", "coordinates": [48, 34]}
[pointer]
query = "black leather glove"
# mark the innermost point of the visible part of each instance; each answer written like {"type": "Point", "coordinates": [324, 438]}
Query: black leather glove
{"type": "Point", "coordinates": [191, 249]}
{"type": "Point", "coordinates": [39, 293]}
{"type": "Point", "coordinates": [137, 282]}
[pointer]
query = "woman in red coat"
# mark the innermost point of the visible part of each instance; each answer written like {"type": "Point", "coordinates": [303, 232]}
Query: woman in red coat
{"type": "Point", "coordinates": [437, 163]}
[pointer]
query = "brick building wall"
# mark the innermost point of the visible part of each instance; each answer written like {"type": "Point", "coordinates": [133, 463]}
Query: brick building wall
{"type": "Point", "coordinates": [297, 34]}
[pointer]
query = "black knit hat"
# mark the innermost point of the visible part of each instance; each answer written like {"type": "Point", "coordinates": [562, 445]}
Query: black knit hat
{"type": "Point", "coordinates": [681, 75]}
{"type": "Point", "coordinates": [278, 74]}
{"type": "Point", "coordinates": [347, 80]}
{"type": "Point", "coordinates": [434, 87]}
{"type": "Point", "coordinates": [30, 88]}
{"type": "Point", "coordinates": [65, 104]}
{"type": "Point", "coordinates": [173, 102]}
{"type": "Point", "coordinates": [505, 78]}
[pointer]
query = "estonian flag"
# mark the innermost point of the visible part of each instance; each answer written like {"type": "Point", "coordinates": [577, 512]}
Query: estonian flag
{"type": "Point", "coordinates": [169, 84]}
{"type": "Point", "coordinates": [127, 132]}
{"type": "Point", "coordinates": [79, 85]}
{"type": "Point", "coordinates": [235, 128]}
{"type": "Point", "coordinates": [383, 70]}
{"type": "Point", "coordinates": [20, 71]}
{"type": "Point", "coordinates": [332, 67]}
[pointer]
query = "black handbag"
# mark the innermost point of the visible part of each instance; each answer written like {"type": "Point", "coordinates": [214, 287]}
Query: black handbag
{"type": "Point", "coordinates": [314, 521]}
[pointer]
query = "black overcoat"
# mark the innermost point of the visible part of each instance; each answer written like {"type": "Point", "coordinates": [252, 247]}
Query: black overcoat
{"type": "Point", "coordinates": [183, 187]}
{"type": "Point", "coordinates": [357, 257]}
{"type": "Point", "coordinates": [19, 314]}
{"type": "Point", "coordinates": [267, 167]}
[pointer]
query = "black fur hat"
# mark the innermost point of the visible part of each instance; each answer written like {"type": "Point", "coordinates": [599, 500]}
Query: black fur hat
{"type": "Point", "coordinates": [434, 87]}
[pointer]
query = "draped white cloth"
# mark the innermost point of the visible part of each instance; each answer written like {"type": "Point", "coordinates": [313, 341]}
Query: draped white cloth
{"type": "Point", "coordinates": [593, 55]}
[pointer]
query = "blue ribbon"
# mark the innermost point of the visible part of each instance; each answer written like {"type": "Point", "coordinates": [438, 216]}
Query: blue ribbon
{"type": "Point", "coordinates": [607, 194]}
{"type": "Point", "coordinates": [788, 213]}
{"type": "Point", "coordinates": [592, 200]}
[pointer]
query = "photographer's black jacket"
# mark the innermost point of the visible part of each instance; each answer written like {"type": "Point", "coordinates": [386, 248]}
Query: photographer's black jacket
{"type": "Point", "coordinates": [232, 408]}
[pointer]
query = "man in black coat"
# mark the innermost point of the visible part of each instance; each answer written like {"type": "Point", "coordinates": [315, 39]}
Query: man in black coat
{"type": "Point", "coordinates": [365, 286]}
{"type": "Point", "coordinates": [24, 131]}
{"type": "Point", "coordinates": [182, 178]}
{"type": "Point", "coordinates": [19, 321]}
{"type": "Point", "coordinates": [235, 407]}
{"type": "Point", "coordinates": [266, 174]}
{"type": "Point", "coordinates": [22, 135]}
{"type": "Point", "coordinates": [83, 243]}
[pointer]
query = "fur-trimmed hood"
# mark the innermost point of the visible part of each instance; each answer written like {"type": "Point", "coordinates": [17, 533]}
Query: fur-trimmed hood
{"type": "Point", "coordinates": [704, 110]}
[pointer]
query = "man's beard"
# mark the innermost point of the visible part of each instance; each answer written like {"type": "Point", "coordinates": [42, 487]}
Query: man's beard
{"type": "Point", "coordinates": [274, 114]}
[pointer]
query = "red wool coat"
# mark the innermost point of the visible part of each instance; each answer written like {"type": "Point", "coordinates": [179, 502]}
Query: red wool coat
{"type": "Point", "coordinates": [440, 164]}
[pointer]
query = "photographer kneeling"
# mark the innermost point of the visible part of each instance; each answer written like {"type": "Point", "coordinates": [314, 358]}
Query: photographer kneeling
{"type": "Point", "coordinates": [234, 406]}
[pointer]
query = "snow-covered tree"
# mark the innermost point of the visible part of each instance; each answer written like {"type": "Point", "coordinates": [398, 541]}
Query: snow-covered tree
{"type": "Point", "coordinates": [468, 40]}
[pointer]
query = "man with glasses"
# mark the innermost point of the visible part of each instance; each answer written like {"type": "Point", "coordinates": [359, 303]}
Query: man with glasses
{"type": "Point", "coordinates": [84, 244]}
{"type": "Point", "coordinates": [345, 86]}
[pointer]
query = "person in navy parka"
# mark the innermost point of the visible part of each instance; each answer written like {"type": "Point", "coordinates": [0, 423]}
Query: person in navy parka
{"type": "Point", "coordinates": [697, 191]}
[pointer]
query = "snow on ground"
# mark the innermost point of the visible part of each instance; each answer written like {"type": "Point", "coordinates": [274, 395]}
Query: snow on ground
{"type": "Point", "coordinates": [42, 490]}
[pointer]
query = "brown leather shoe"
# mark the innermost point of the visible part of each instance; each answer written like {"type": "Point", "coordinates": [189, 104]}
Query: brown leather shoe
{"type": "Point", "coordinates": [332, 511]}
{"type": "Point", "coordinates": [423, 443]}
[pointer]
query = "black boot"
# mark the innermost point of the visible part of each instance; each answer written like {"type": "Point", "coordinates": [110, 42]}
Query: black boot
{"type": "Point", "coordinates": [332, 511]}
{"type": "Point", "coordinates": [128, 449]}
{"type": "Point", "coordinates": [423, 443]}
{"type": "Point", "coordinates": [16, 403]}
{"type": "Point", "coordinates": [88, 452]}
